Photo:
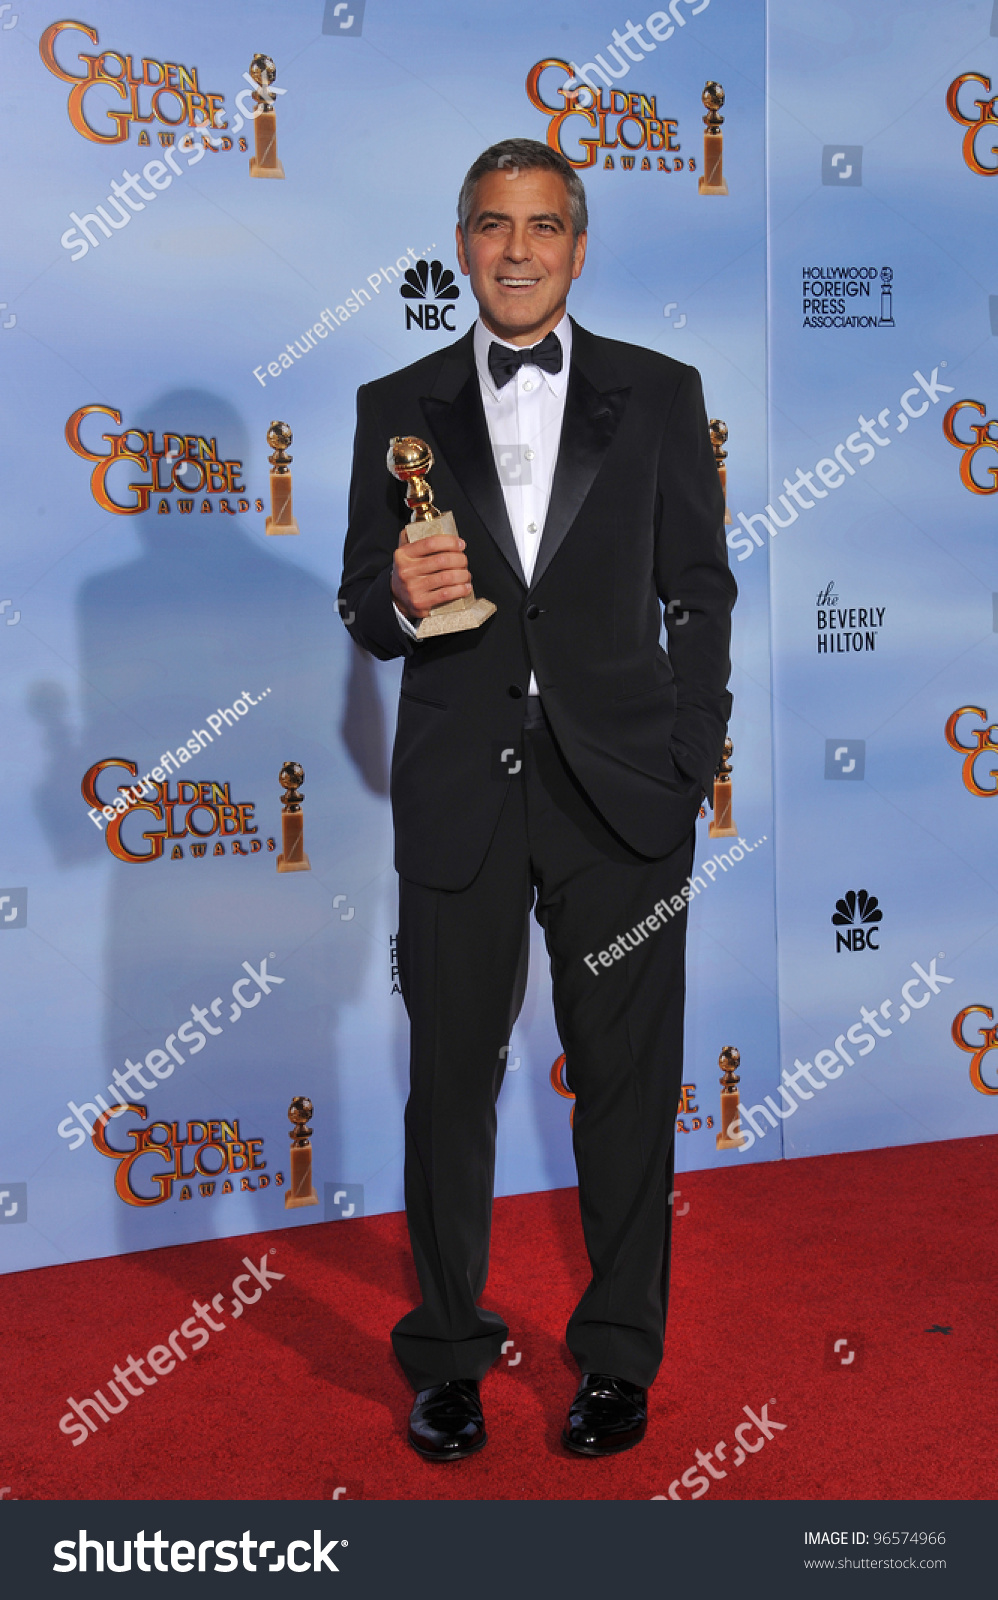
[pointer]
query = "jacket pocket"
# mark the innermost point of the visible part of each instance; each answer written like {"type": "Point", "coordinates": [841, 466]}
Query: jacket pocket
{"type": "Point", "coordinates": [422, 700]}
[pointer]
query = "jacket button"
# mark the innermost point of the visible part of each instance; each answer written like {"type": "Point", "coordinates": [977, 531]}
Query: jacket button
{"type": "Point", "coordinates": [532, 612]}
{"type": "Point", "coordinates": [515, 692]}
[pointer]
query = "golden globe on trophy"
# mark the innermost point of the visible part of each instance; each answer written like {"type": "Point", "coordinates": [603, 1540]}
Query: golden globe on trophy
{"type": "Point", "coordinates": [300, 1190]}
{"type": "Point", "coordinates": [712, 181]}
{"type": "Point", "coordinates": [282, 517]}
{"type": "Point", "coordinates": [265, 163]}
{"type": "Point", "coordinates": [718, 439]}
{"type": "Point", "coordinates": [722, 825]}
{"type": "Point", "coordinates": [292, 858]}
{"type": "Point", "coordinates": [729, 1061]}
{"type": "Point", "coordinates": [409, 460]}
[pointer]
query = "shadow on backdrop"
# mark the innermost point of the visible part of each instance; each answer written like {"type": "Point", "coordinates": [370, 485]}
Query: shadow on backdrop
{"type": "Point", "coordinates": [199, 616]}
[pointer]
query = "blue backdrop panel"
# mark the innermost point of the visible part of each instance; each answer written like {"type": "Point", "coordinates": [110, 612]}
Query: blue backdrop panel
{"type": "Point", "coordinates": [883, 609]}
{"type": "Point", "coordinates": [840, 303]}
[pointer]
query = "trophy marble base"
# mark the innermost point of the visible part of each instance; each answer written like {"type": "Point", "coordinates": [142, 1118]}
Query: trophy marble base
{"type": "Point", "coordinates": [722, 826]}
{"type": "Point", "coordinates": [303, 864]}
{"type": "Point", "coordinates": [300, 1191]}
{"type": "Point", "coordinates": [282, 516]}
{"type": "Point", "coordinates": [293, 858]}
{"type": "Point", "coordinates": [730, 1111]}
{"type": "Point", "coordinates": [266, 163]}
{"type": "Point", "coordinates": [457, 615]}
{"type": "Point", "coordinates": [444, 620]}
{"type": "Point", "coordinates": [712, 181]}
{"type": "Point", "coordinates": [728, 518]}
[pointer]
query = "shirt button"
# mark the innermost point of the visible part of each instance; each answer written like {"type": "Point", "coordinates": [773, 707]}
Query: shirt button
{"type": "Point", "coordinates": [528, 455]}
{"type": "Point", "coordinates": [515, 692]}
{"type": "Point", "coordinates": [527, 384]}
{"type": "Point", "coordinates": [531, 527]}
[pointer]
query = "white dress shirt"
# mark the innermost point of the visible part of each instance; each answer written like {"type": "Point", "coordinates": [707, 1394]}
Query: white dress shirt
{"type": "Point", "coordinates": [524, 421]}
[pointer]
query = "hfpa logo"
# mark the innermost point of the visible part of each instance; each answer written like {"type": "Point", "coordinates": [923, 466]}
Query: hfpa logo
{"type": "Point", "coordinates": [427, 282]}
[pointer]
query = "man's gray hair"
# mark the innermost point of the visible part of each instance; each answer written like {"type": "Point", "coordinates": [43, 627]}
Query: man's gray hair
{"type": "Point", "coordinates": [524, 155]}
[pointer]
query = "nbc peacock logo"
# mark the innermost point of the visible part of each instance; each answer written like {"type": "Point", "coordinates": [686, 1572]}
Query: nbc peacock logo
{"type": "Point", "coordinates": [427, 283]}
{"type": "Point", "coordinates": [856, 919]}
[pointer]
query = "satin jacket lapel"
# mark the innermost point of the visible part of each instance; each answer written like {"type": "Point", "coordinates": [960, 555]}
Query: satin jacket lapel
{"type": "Point", "coordinates": [594, 405]}
{"type": "Point", "coordinates": [456, 417]}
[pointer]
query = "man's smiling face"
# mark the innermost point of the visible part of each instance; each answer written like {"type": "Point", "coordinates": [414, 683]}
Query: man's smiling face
{"type": "Point", "coordinates": [520, 254]}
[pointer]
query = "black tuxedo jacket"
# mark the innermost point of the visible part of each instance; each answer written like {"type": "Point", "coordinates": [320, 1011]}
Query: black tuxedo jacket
{"type": "Point", "coordinates": [635, 522]}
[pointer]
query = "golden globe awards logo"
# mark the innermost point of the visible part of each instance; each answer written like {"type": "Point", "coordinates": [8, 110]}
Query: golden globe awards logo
{"type": "Point", "coordinates": [588, 121]}
{"type": "Point", "coordinates": [980, 155]}
{"type": "Point", "coordinates": [211, 1155]}
{"type": "Point", "coordinates": [974, 439]}
{"type": "Point", "coordinates": [972, 744]}
{"type": "Point", "coordinates": [160, 91]}
{"type": "Point", "coordinates": [977, 1052]}
{"type": "Point", "coordinates": [196, 812]}
{"type": "Point", "coordinates": [185, 465]}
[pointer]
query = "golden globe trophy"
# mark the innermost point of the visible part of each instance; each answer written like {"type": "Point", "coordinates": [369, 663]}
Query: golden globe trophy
{"type": "Point", "coordinates": [729, 1061]}
{"type": "Point", "coordinates": [722, 826]}
{"type": "Point", "coordinates": [292, 858]}
{"type": "Point", "coordinates": [409, 460]}
{"type": "Point", "coordinates": [265, 163]}
{"type": "Point", "coordinates": [300, 1191]}
{"type": "Point", "coordinates": [718, 439]}
{"type": "Point", "coordinates": [712, 181]}
{"type": "Point", "coordinates": [282, 517]}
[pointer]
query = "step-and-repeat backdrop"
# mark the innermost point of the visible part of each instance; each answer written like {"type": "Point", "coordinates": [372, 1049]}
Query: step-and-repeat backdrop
{"type": "Point", "coordinates": [183, 269]}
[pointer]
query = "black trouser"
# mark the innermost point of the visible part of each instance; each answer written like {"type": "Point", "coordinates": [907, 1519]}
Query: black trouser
{"type": "Point", "coordinates": [462, 965]}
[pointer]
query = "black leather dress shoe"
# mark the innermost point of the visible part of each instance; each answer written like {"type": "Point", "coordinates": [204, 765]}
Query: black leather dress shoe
{"type": "Point", "coordinates": [446, 1422]}
{"type": "Point", "coordinates": [607, 1414]}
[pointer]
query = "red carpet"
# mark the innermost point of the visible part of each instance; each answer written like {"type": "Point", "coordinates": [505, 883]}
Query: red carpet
{"type": "Point", "coordinates": [299, 1395]}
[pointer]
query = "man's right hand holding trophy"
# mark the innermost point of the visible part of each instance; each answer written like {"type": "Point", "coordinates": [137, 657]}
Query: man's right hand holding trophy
{"type": "Point", "coordinates": [430, 581]}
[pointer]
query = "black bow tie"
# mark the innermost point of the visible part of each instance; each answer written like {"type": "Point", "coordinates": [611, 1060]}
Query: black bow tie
{"type": "Point", "coordinates": [505, 363]}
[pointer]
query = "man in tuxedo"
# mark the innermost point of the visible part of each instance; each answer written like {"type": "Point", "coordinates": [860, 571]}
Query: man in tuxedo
{"type": "Point", "coordinates": [552, 759]}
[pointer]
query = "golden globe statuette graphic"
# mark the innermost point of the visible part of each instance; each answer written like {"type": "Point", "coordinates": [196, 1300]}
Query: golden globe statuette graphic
{"type": "Point", "coordinates": [723, 826]}
{"type": "Point", "coordinates": [712, 181]}
{"type": "Point", "coordinates": [292, 858]}
{"type": "Point", "coordinates": [282, 517]}
{"type": "Point", "coordinates": [559, 1084]}
{"type": "Point", "coordinates": [300, 1191]}
{"type": "Point", "coordinates": [265, 163]}
{"type": "Point", "coordinates": [729, 1061]}
{"type": "Point", "coordinates": [718, 439]}
{"type": "Point", "coordinates": [409, 460]}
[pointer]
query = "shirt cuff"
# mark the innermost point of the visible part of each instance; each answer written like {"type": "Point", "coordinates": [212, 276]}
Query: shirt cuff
{"type": "Point", "coordinates": [404, 623]}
